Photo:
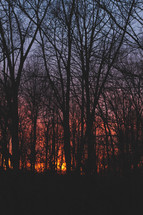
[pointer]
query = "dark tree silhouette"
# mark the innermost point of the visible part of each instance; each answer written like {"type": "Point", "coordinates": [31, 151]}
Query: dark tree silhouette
{"type": "Point", "coordinates": [14, 34]}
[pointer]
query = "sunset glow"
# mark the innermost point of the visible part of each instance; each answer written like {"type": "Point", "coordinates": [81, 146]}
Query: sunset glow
{"type": "Point", "coordinates": [71, 86]}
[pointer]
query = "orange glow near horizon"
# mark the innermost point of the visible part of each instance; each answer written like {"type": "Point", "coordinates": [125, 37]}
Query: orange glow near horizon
{"type": "Point", "coordinates": [61, 164]}
{"type": "Point", "coordinates": [39, 167]}
{"type": "Point", "coordinates": [61, 167]}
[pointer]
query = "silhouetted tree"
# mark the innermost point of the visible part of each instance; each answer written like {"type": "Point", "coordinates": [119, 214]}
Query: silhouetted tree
{"type": "Point", "coordinates": [16, 28]}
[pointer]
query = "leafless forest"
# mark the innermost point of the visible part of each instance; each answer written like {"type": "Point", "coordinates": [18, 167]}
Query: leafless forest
{"type": "Point", "coordinates": [71, 86]}
{"type": "Point", "coordinates": [71, 104]}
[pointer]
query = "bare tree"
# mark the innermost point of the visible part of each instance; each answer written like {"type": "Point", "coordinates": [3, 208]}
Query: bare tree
{"type": "Point", "coordinates": [32, 95]}
{"type": "Point", "coordinates": [97, 40]}
{"type": "Point", "coordinates": [59, 41]}
{"type": "Point", "coordinates": [17, 35]}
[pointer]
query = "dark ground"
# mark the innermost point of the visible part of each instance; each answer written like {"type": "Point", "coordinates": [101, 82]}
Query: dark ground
{"type": "Point", "coordinates": [70, 195]}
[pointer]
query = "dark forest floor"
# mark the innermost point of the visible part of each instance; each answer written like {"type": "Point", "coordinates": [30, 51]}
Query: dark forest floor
{"type": "Point", "coordinates": [70, 195]}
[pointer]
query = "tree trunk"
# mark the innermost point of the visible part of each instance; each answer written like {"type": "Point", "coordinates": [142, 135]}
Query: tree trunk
{"type": "Point", "coordinates": [15, 138]}
{"type": "Point", "coordinates": [67, 147]}
{"type": "Point", "coordinates": [53, 145]}
{"type": "Point", "coordinates": [33, 152]}
{"type": "Point", "coordinates": [47, 142]}
{"type": "Point", "coordinates": [91, 154]}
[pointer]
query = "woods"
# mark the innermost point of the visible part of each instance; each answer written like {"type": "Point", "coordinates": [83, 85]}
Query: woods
{"type": "Point", "coordinates": [71, 86]}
